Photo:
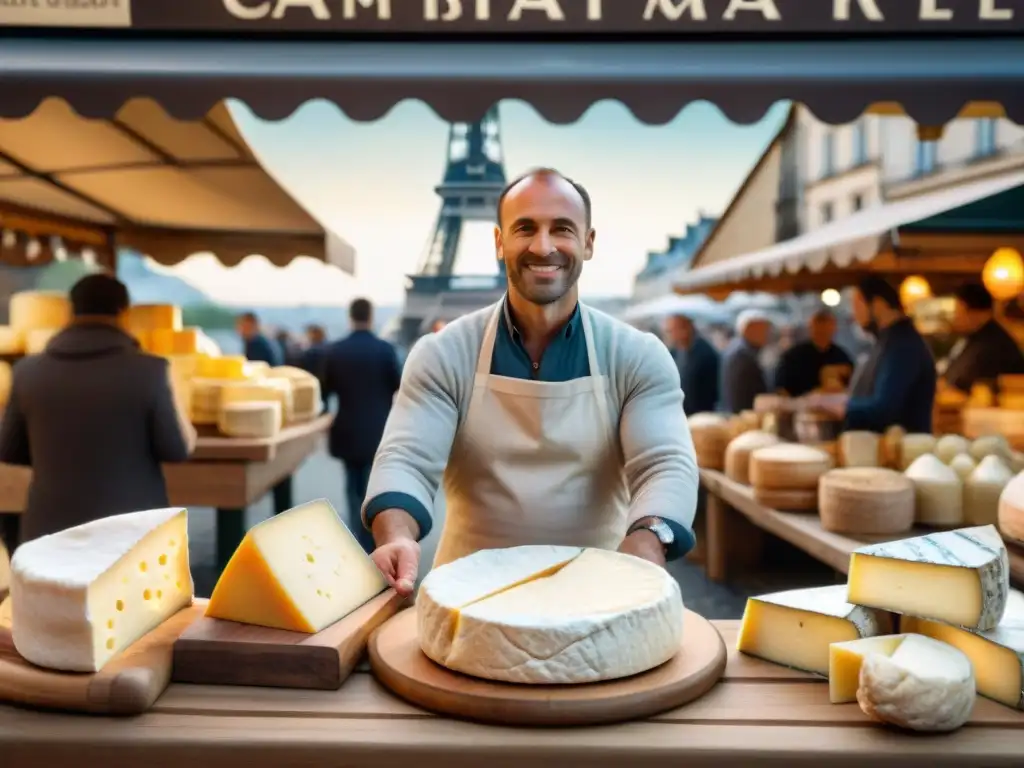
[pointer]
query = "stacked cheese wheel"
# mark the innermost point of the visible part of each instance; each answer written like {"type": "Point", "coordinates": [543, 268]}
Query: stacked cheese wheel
{"type": "Point", "coordinates": [35, 318]}
{"type": "Point", "coordinates": [866, 501]}
{"type": "Point", "coordinates": [922, 626]}
{"type": "Point", "coordinates": [710, 432]}
{"type": "Point", "coordinates": [785, 476]}
{"type": "Point", "coordinates": [737, 454]}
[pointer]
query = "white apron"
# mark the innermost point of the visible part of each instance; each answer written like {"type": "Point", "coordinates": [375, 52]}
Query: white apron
{"type": "Point", "coordinates": [534, 463]}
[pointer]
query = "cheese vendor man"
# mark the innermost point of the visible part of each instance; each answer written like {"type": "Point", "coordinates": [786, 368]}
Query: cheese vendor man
{"type": "Point", "coordinates": [550, 422]}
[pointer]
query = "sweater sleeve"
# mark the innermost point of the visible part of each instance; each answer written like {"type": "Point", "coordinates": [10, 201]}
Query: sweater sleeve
{"type": "Point", "coordinates": [659, 458]}
{"type": "Point", "coordinates": [417, 440]}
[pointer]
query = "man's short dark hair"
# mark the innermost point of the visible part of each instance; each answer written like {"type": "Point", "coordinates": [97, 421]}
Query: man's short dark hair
{"type": "Point", "coordinates": [99, 294]}
{"type": "Point", "coordinates": [874, 287]}
{"type": "Point", "coordinates": [249, 317]}
{"type": "Point", "coordinates": [974, 296]}
{"type": "Point", "coordinates": [580, 189]}
{"type": "Point", "coordinates": [360, 311]}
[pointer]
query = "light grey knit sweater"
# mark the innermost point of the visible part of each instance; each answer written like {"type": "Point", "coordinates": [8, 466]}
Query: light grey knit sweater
{"type": "Point", "coordinates": [643, 397]}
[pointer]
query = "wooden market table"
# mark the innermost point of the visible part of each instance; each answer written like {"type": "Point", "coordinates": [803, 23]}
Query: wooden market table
{"type": "Point", "coordinates": [226, 473]}
{"type": "Point", "coordinates": [736, 522]}
{"type": "Point", "coordinates": [758, 715]}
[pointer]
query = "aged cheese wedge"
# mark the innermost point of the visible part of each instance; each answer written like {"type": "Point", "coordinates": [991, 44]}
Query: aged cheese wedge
{"type": "Point", "coordinates": [39, 310]}
{"type": "Point", "coordinates": [938, 492]}
{"type": "Point", "coordinates": [737, 454]}
{"type": "Point", "coordinates": [1011, 509]}
{"type": "Point", "coordinates": [961, 577]}
{"type": "Point", "coordinates": [81, 596]}
{"type": "Point", "coordinates": [796, 628]}
{"type": "Point", "coordinates": [983, 489]}
{"type": "Point", "coordinates": [923, 685]}
{"type": "Point", "coordinates": [254, 419]}
{"type": "Point", "coordinates": [963, 465]}
{"type": "Point", "coordinates": [602, 616]}
{"type": "Point", "coordinates": [948, 447]}
{"type": "Point", "coordinates": [788, 466]}
{"type": "Point", "coordinates": [863, 500]}
{"type": "Point", "coordinates": [301, 570]}
{"type": "Point", "coordinates": [997, 655]}
{"type": "Point", "coordinates": [860, 449]}
{"type": "Point", "coordinates": [844, 663]}
{"type": "Point", "coordinates": [913, 445]}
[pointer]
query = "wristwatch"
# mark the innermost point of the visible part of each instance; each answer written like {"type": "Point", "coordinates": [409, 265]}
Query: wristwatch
{"type": "Point", "coordinates": [658, 527]}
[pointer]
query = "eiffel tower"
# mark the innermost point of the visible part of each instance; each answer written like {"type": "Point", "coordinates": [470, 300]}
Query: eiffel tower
{"type": "Point", "coordinates": [473, 179]}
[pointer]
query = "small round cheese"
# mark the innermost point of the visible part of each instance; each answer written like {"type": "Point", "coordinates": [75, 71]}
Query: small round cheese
{"type": "Point", "coordinates": [710, 433]}
{"type": "Point", "coordinates": [925, 685]}
{"type": "Point", "coordinates": [949, 446]}
{"type": "Point", "coordinates": [982, 490]}
{"type": "Point", "coordinates": [788, 466]}
{"type": "Point", "coordinates": [859, 449]}
{"type": "Point", "coordinates": [868, 501]}
{"type": "Point", "coordinates": [991, 445]}
{"type": "Point", "coordinates": [938, 492]}
{"type": "Point", "coordinates": [737, 454]}
{"type": "Point", "coordinates": [1011, 509]}
{"type": "Point", "coordinates": [963, 465]}
{"type": "Point", "coordinates": [250, 419]}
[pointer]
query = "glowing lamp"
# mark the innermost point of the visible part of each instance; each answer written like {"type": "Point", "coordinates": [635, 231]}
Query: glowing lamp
{"type": "Point", "coordinates": [1003, 274]}
{"type": "Point", "coordinates": [830, 297]}
{"type": "Point", "coordinates": [914, 289]}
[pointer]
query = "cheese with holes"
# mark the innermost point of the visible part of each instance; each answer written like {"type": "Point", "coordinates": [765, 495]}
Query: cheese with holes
{"type": "Point", "coordinates": [81, 596]}
{"type": "Point", "coordinates": [866, 501]}
{"type": "Point", "coordinates": [983, 489]}
{"type": "Point", "coordinates": [938, 492]}
{"type": "Point", "coordinates": [860, 449]}
{"type": "Point", "coordinates": [963, 465]}
{"type": "Point", "coordinates": [737, 454]}
{"type": "Point", "coordinates": [796, 628]}
{"type": "Point", "coordinates": [914, 445]}
{"type": "Point", "coordinates": [302, 570]}
{"type": "Point", "coordinates": [12, 341]}
{"type": "Point", "coordinates": [949, 446]}
{"type": "Point", "coordinates": [923, 685]}
{"type": "Point", "coordinates": [39, 310]}
{"type": "Point", "coordinates": [36, 341]}
{"type": "Point", "coordinates": [788, 466]}
{"type": "Point", "coordinates": [991, 445]}
{"type": "Point", "coordinates": [253, 419]}
{"type": "Point", "coordinates": [1011, 509]}
{"type": "Point", "coordinates": [844, 663]}
{"type": "Point", "coordinates": [150, 317]}
{"type": "Point", "coordinates": [276, 390]}
{"type": "Point", "coordinates": [550, 615]}
{"type": "Point", "coordinates": [961, 577]}
{"type": "Point", "coordinates": [997, 655]}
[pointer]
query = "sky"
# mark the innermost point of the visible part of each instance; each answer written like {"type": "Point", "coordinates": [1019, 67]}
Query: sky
{"type": "Point", "coordinates": [373, 183]}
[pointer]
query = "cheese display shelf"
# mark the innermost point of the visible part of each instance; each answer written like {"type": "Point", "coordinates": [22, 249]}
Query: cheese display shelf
{"type": "Point", "coordinates": [758, 714]}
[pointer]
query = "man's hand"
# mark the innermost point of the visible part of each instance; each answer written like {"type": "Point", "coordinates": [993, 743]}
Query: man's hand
{"type": "Point", "coordinates": [398, 553]}
{"type": "Point", "coordinates": [644, 544]}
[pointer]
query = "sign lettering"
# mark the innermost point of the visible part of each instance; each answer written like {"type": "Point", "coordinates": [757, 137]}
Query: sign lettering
{"type": "Point", "coordinates": [66, 13]}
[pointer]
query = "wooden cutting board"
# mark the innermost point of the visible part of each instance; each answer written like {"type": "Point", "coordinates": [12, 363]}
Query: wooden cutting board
{"type": "Point", "coordinates": [128, 685]}
{"type": "Point", "coordinates": [398, 663]}
{"type": "Point", "coordinates": [217, 652]}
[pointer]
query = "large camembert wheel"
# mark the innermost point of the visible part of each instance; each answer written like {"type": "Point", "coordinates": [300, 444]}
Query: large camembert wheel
{"type": "Point", "coordinates": [549, 615]}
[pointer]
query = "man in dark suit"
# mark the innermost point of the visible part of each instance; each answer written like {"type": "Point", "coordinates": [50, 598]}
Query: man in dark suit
{"type": "Point", "coordinates": [362, 371]}
{"type": "Point", "coordinates": [697, 362]}
{"type": "Point", "coordinates": [94, 417]}
{"type": "Point", "coordinates": [258, 348]}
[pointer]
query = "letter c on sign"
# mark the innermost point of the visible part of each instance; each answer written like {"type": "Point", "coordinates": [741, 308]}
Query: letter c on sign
{"type": "Point", "coordinates": [240, 11]}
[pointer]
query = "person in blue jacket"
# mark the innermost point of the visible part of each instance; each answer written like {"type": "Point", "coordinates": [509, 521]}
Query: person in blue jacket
{"type": "Point", "coordinates": [258, 348]}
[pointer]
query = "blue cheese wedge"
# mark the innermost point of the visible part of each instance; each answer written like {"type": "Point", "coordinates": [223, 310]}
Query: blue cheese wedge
{"type": "Point", "coordinates": [796, 628]}
{"type": "Point", "coordinates": [959, 577]}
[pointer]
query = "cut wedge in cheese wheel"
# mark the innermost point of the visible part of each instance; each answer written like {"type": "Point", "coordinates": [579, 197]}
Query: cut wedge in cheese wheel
{"type": "Point", "coordinates": [39, 310]}
{"type": "Point", "coordinates": [938, 492]}
{"type": "Point", "coordinates": [301, 570]}
{"type": "Point", "coordinates": [795, 628]}
{"type": "Point", "coordinates": [983, 489]}
{"type": "Point", "coordinates": [788, 466]}
{"type": "Point", "coordinates": [997, 655]}
{"type": "Point", "coordinates": [253, 419]}
{"type": "Point", "coordinates": [844, 663]}
{"type": "Point", "coordinates": [914, 445]}
{"type": "Point", "coordinates": [923, 685]}
{"type": "Point", "coordinates": [711, 435]}
{"type": "Point", "coordinates": [786, 500]}
{"type": "Point", "coordinates": [12, 341]}
{"type": "Point", "coordinates": [81, 596]}
{"type": "Point", "coordinates": [963, 465]}
{"type": "Point", "coordinates": [737, 454]}
{"type": "Point", "coordinates": [1011, 509]}
{"type": "Point", "coordinates": [961, 577]}
{"type": "Point", "coordinates": [860, 449]}
{"type": "Point", "coordinates": [949, 446]}
{"type": "Point", "coordinates": [891, 448]}
{"type": "Point", "coordinates": [600, 616]}
{"type": "Point", "coordinates": [991, 445]}
{"type": "Point", "coordinates": [866, 501]}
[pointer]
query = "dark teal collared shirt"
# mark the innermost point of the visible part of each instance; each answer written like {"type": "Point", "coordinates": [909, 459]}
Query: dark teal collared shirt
{"type": "Point", "coordinates": [564, 359]}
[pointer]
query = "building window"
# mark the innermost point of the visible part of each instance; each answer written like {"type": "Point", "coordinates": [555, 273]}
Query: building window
{"type": "Point", "coordinates": [826, 213]}
{"type": "Point", "coordinates": [926, 156]}
{"type": "Point", "coordinates": [860, 143]}
{"type": "Point", "coordinates": [985, 137]}
{"type": "Point", "coordinates": [858, 202]}
{"type": "Point", "coordinates": [828, 155]}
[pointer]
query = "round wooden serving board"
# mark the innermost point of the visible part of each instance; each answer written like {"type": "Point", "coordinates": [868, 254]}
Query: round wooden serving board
{"type": "Point", "coordinates": [398, 662]}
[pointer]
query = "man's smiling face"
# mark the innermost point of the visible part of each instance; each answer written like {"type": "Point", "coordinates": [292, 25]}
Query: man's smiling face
{"type": "Point", "coordinates": [544, 236]}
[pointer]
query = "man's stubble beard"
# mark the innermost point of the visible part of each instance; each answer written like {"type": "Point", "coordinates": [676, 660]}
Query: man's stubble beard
{"type": "Point", "coordinates": [542, 296]}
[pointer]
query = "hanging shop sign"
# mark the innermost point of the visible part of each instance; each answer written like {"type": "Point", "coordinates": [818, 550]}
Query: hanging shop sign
{"type": "Point", "coordinates": [753, 18]}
